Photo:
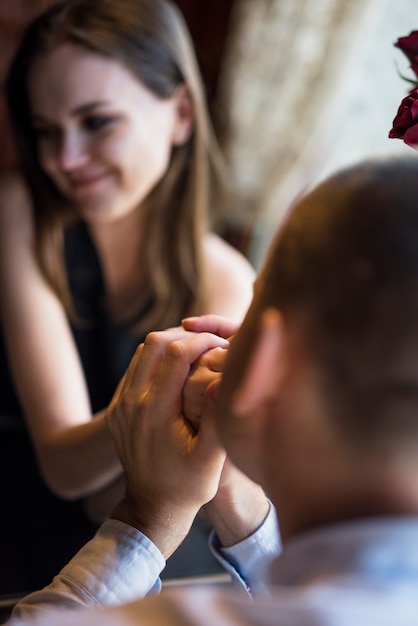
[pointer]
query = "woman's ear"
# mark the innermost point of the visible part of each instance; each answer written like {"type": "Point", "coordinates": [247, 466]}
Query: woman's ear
{"type": "Point", "coordinates": [266, 366]}
{"type": "Point", "coordinates": [185, 118]}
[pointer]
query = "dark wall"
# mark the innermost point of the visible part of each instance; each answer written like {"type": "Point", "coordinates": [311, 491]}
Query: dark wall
{"type": "Point", "coordinates": [208, 22]}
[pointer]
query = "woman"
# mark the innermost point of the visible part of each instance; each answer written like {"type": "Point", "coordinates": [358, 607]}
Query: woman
{"type": "Point", "coordinates": [104, 234]}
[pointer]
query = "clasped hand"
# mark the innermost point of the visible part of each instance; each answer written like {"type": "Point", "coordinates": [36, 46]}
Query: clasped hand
{"type": "Point", "coordinates": [167, 443]}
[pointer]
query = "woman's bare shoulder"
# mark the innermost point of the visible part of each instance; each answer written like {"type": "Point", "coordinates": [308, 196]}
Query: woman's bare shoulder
{"type": "Point", "coordinates": [229, 278]}
{"type": "Point", "coordinates": [222, 256]}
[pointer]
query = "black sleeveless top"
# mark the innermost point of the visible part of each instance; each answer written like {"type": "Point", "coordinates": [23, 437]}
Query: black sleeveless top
{"type": "Point", "coordinates": [105, 347]}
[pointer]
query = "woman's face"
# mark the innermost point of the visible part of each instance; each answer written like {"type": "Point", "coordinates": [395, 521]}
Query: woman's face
{"type": "Point", "coordinates": [104, 139]}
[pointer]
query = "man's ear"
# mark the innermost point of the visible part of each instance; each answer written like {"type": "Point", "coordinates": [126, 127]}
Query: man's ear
{"type": "Point", "coordinates": [266, 365]}
{"type": "Point", "coordinates": [185, 118]}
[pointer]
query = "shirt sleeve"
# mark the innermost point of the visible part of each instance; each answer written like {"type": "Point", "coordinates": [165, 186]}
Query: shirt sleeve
{"type": "Point", "coordinates": [248, 562]}
{"type": "Point", "coordinates": [118, 565]}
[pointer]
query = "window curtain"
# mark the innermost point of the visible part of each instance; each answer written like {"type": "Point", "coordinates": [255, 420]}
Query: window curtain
{"type": "Point", "coordinates": [295, 76]}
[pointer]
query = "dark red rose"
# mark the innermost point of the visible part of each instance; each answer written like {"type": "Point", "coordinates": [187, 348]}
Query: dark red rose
{"type": "Point", "coordinates": [409, 46]}
{"type": "Point", "coordinates": [405, 124]}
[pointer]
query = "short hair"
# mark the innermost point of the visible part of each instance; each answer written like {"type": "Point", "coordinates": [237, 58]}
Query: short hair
{"type": "Point", "coordinates": [344, 269]}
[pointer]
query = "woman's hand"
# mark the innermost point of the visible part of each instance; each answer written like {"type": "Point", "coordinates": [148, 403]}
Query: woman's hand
{"type": "Point", "coordinates": [206, 369]}
{"type": "Point", "coordinates": [215, 324]}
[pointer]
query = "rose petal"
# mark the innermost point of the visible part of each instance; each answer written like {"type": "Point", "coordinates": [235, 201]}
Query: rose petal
{"type": "Point", "coordinates": [406, 115]}
{"type": "Point", "coordinates": [411, 137]}
{"type": "Point", "coordinates": [409, 46]}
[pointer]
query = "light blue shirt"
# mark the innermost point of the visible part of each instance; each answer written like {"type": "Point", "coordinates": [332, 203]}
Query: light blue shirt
{"type": "Point", "coordinates": [361, 573]}
{"type": "Point", "coordinates": [120, 564]}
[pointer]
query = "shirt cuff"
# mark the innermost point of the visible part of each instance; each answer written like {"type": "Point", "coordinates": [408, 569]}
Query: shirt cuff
{"type": "Point", "coordinates": [248, 562]}
{"type": "Point", "coordinates": [118, 565]}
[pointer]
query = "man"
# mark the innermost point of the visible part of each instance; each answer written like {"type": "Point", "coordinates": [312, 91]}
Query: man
{"type": "Point", "coordinates": [318, 404]}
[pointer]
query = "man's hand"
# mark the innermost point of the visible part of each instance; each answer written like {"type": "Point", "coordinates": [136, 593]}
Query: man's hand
{"type": "Point", "coordinates": [171, 469]}
{"type": "Point", "coordinates": [240, 505]}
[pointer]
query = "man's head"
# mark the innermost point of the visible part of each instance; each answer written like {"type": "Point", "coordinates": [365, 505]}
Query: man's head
{"type": "Point", "coordinates": [325, 367]}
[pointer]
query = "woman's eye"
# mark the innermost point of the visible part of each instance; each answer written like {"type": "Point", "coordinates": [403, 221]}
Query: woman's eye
{"type": "Point", "coordinates": [97, 123]}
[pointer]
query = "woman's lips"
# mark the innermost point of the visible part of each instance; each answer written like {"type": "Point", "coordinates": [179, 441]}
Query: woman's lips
{"type": "Point", "coordinates": [86, 182]}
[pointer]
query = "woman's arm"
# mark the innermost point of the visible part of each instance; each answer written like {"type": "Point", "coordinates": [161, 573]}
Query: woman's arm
{"type": "Point", "coordinates": [76, 453]}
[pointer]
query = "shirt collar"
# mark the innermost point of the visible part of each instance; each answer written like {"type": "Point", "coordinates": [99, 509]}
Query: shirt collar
{"type": "Point", "coordinates": [383, 549]}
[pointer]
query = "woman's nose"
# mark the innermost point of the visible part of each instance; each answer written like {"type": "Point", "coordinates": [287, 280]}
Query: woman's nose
{"type": "Point", "coordinates": [72, 151]}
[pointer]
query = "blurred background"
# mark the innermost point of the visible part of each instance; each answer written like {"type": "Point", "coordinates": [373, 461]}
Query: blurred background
{"type": "Point", "coordinates": [296, 89]}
